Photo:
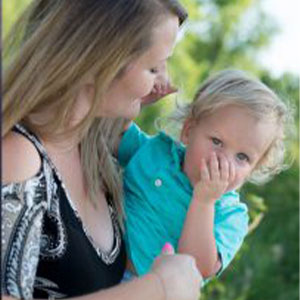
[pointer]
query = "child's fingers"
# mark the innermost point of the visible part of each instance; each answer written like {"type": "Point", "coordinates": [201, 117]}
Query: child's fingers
{"type": "Point", "coordinates": [154, 96]}
{"type": "Point", "coordinates": [154, 89]}
{"type": "Point", "coordinates": [163, 89]}
{"type": "Point", "coordinates": [224, 167]}
{"type": "Point", "coordinates": [159, 87]}
{"type": "Point", "coordinates": [231, 172]}
{"type": "Point", "coordinates": [214, 167]}
{"type": "Point", "coordinates": [169, 89]}
{"type": "Point", "coordinates": [166, 88]}
{"type": "Point", "coordinates": [204, 173]}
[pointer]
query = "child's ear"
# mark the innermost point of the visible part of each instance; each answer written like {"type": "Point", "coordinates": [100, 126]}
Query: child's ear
{"type": "Point", "coordinates": [185, 132]}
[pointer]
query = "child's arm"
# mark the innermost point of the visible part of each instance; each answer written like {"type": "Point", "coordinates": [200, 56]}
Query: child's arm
{"type": "Point", "coordinates": [197, 237]}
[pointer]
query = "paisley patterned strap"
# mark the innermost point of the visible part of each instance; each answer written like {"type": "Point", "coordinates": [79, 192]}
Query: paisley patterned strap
{"type": "Point", "coordinates": [22, 217]}
{"type": "Point", "coordinates": [23, 207]}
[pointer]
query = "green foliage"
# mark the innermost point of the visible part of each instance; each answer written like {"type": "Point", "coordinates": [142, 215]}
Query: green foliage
{"type": "Point", "coordinates": [222, 34]}
{"type": "Point", "coordinates": [219, 34]}
{"type": "Point", "coordinates": [10, 11]}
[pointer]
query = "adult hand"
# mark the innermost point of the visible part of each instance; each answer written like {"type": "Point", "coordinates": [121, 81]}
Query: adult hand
{"type": "Point", "coordinates": [179, 276]}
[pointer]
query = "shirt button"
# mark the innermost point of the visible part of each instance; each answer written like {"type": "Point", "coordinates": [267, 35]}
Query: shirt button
{"type": "Point", "coordinates": [158, 182]}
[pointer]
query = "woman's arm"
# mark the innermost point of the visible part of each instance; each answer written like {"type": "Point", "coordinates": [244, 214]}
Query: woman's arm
{"type": "Point", "coordinates": [148, 287]}
{"type": "Point", "coordinates": [173, 277]}
{"type": "Point", "coordinates": [20, 160]}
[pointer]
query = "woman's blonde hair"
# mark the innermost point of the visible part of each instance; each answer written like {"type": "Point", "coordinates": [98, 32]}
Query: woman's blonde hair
{"type": "Point", "coordinates": [235, 87]}
{"type": "Point", "coordinates": [51, 50]}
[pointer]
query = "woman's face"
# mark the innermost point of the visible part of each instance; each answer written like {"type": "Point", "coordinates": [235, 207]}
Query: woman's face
{"type": "Point", "coordinates": [123, 98]}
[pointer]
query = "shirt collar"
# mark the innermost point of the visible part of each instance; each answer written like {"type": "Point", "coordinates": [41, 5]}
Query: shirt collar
{"type": "Point", "coordinates": [178, 151]}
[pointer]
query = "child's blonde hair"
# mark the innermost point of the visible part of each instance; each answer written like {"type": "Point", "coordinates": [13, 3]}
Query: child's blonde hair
{"type": "Point", "coordinates": [234, 87]}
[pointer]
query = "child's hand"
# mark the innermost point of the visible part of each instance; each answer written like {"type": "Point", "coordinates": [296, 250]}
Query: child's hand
{"type": "Point", "coordinates": [159, 91]}
{"type": "Point", "coordinates": [162, 87]}
{"type": "Point", "coordinates": [215, 178]}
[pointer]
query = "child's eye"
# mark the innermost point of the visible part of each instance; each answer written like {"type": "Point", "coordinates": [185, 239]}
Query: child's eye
{"type": "Point", "coordinates": [217, 142]}
{"type": "Point", "coordinates": [243, 157]}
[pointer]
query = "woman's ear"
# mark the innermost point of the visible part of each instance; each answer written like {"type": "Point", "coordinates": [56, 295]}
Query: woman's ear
{"type": "Point", "coordinates": [185, 132]}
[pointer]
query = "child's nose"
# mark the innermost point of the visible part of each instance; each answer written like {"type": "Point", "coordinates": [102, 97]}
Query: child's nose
{"type": "Point", "coordinates": [223, 154]}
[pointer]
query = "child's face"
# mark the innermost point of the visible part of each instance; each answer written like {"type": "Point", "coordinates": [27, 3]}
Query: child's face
{"type": "Point", "coordinates": [230, 131]}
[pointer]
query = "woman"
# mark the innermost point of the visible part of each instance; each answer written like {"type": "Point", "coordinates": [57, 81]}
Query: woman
{"type": "Point", "coordinates": [80, 68]}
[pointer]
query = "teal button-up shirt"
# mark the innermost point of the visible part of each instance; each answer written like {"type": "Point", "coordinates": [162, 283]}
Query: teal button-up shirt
{"type": "Point", "coordinates": [157, 197]}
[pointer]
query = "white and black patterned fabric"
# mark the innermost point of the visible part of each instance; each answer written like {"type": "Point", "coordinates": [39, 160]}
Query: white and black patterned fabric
{"type": "Point", "coordinates": [46, 249]}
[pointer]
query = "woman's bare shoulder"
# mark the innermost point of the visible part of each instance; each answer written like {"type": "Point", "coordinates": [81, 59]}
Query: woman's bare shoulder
{"type": "Point", "coordinates": [20, 159]}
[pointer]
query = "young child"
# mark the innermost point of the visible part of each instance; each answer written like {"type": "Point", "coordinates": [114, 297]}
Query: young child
{"type": "Point", "coordinates": [184, 192]}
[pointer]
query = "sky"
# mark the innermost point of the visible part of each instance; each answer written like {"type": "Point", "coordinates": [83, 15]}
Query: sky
{"type": "Point", "coordinates": [284, 51]}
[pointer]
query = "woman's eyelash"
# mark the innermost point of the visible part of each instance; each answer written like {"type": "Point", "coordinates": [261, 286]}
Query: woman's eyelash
{"type": "Point", "coordinates": [154, 70]}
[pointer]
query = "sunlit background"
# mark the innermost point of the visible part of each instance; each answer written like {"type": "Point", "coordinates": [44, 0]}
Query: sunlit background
{"type": "Point", "coordinates": [261, 37]}
{"type": "Point", "coordinates": [283, 54]}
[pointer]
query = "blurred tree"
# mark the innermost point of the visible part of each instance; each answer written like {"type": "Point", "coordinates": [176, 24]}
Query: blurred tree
{"type": "Point", "coordinates": [218, 35]}
{"type": "Point", "coordinates": [10, 11]}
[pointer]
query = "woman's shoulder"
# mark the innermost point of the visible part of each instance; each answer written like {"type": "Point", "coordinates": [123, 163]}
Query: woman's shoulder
{"type": "Point", "coordinates": [20, 158]}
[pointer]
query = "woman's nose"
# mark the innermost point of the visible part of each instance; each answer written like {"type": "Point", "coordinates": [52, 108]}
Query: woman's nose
{"type": "Point", "coordinates": [163, 73]}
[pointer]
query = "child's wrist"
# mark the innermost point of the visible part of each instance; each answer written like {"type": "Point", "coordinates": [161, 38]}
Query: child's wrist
{"type": "Point", "coordinates": [203, 202]}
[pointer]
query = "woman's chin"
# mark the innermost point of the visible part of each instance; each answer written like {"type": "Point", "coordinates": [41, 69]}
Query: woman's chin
{"type": "Point", "coordinates": [134, 109]}
{"type": "Point", "coordinates": [130, 112]}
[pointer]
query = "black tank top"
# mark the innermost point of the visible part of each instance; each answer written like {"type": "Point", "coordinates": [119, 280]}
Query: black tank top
{"type": "Point", "coordinates": [70, 264]}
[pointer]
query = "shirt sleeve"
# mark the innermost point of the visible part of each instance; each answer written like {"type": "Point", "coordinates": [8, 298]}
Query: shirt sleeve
{"type": "Point", "coordinates": [231, 227]}
{"type": "Point", "coordinates": [131, 141]}
{"type": "Point", "coordinates": [22, 216]}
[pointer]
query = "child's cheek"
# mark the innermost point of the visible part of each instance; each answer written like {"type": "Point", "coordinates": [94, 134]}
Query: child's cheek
{"type": "Point", "coordinates": [236, 183]}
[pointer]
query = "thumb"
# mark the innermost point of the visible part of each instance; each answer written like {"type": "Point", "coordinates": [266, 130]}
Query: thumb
{"type": "Point", "coordinates": [171, 89]}
{"type": "Point", "coordinates": [168, 249]}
